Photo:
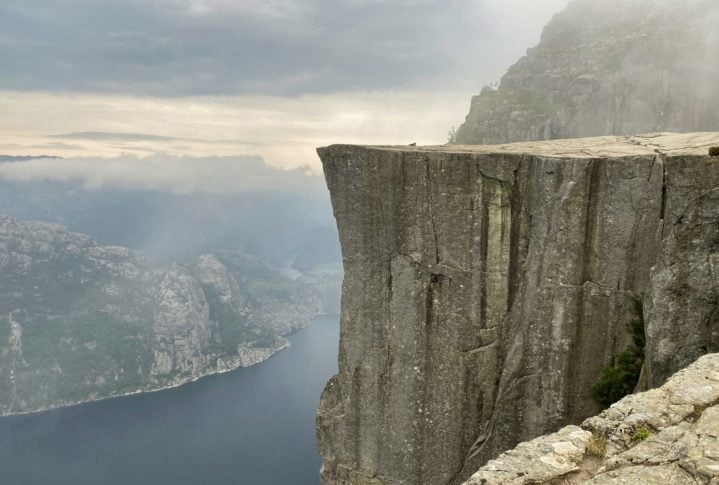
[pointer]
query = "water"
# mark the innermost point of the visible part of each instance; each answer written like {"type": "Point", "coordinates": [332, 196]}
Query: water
{"type": "Point", "coordinates": [254, 426]}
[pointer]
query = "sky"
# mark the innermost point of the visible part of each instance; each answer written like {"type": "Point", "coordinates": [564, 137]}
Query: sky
{"type": "Point", "coordinates": [235, 78]}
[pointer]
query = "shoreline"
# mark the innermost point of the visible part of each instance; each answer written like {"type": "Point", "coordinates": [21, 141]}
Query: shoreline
{"type": "Point", "coordinates": [217, 371]}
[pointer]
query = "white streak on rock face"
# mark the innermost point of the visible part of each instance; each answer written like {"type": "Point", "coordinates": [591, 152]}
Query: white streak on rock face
{"type": "Point", "coordinates": [210, 271]}
{"type": "Point", "coordinates": [163, 363]}
{"type": "Point", "coordinates": [182, 325]}
{"type": "Point", "coordinates": [15, 339]}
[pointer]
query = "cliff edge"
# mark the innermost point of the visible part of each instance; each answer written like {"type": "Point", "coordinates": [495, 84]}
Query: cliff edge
{"type": "Point", "coordinates": [486, 287]}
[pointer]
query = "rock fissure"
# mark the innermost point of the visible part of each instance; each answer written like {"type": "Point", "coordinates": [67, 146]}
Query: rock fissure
{"type": "Point", "coordinates": [430, 205]}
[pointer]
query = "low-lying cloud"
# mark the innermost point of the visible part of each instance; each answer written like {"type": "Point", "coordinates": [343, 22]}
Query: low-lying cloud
{"type": "Point", "coordinates": [283, 131]}
{"type": "Point", "coordinates": [164, 173]}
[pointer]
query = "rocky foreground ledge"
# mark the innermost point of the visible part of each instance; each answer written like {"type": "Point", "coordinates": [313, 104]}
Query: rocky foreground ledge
{"type": "Point", "coordinates": [664, 436]}
{"type": "Point", "coordinates": [487, 287]}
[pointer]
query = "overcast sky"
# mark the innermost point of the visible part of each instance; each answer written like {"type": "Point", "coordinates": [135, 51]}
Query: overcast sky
{"type": "Point", "coordinates": [276, 47]}
{"type": "Point", "coordinates": [273, 78]}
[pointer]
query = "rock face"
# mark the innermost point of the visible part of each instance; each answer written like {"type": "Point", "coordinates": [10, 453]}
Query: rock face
{"type": "Point", "coordinates": [608, 67]}
{"type": "Point", "coordinates": [486, 287]}
{"type": "Point", "coordinates": [668, 435]}
{"type": "Point", "coordinates": [80, 320]}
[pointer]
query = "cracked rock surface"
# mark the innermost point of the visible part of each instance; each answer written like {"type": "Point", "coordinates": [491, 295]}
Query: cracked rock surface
{"type": "Point", "coordinates": [487, 286]}
{"type": "Point", "coordinates": [669, 435]}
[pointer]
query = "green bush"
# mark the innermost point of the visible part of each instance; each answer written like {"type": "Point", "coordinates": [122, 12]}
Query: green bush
{"type": "Point", "coordinates": [619, 380]}
{"type": "Point", "coordinates": [640, 434]}
{"type": "Point", "coordinates": [714, 152]}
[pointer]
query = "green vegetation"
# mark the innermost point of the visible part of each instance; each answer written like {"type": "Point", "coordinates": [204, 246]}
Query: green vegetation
{"type": "Point", "coordinates": [640, 434]}
{"type": "Point", "coordinates": [100, 321]}
{"type": "Point", "coordinates": [619, 380]}
{"type": "Point", "coordinates": [231, 328]}
{"type": "Point", "coordinates": [714, 152]}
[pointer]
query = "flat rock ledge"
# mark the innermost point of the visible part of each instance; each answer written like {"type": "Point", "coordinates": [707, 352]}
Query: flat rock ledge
{"type": "Point", "coordinates": [668, 435]}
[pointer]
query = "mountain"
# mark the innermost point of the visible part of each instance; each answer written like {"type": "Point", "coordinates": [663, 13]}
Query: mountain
{"type": "Point", "coordinates": [82, 320]}
{"type": "Point", "coordinates": [23, 158]}
{"type": "Point", "coordinates": [493, 294]}
{"type": "Point", "coordinates": [608, 67]}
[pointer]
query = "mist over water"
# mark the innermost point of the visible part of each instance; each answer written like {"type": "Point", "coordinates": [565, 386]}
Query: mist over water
{"type": "Point", "coordinates": [253, 426]}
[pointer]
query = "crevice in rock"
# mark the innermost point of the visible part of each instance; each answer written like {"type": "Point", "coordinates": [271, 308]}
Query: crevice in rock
{"type": "Point", "coordinates": [430, 211]}
{"type": "Point", "coordinates": [572, 377]}
{"type": "Point", "coordinates": [663, 205]}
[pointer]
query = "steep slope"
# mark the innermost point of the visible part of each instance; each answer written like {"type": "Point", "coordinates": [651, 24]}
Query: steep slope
{"type": "Point", "coordinates": [667, 435]}
{"type": "Point", "coordinates": [608, 67]}
{"type": "Point", "coordinates": [487, 286]}
{"type": "Point", "coordinates": [80, 320]}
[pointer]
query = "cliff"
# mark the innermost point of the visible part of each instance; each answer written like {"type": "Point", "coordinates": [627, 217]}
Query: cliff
{"type": "Point", "coordinates": [486, 287]}
{"type": "Point", "coordinates": [67, 301]}
{"type": "Point", "coordinates": [608, 67]}
{"type": "Point", "coordinates": [668, 435]}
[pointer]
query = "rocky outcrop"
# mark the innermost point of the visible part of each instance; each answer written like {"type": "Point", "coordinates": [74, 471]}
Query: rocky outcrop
{"type": "Point", "coordinates": [668, 435]}
{"type": "Point", "coordinates": [486, 287]}
{"type": "Point", "coordinates": [82, 320]}
{"type": "Point", "coordinates": [608, 67]}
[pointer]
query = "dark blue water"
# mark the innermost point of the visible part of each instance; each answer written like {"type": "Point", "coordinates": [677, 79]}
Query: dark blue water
{"type": "Point", "coordinates": [254, 426]}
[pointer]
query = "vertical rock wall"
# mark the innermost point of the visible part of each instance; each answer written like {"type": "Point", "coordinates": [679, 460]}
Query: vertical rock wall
{"type": "Point", "coordinates": [486, 287]}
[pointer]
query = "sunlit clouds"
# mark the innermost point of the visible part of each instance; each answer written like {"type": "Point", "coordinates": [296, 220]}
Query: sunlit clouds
{"type": "Point", "coordinates": [284, 131]}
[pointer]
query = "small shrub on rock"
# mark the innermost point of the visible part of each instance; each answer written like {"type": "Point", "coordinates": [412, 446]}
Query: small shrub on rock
{"type": "Point", "coordinates": [640, 434]}
{"type": "Point", "coordinates": [714, 152]}
{"type": "Point", "coordinates": [619, 380]}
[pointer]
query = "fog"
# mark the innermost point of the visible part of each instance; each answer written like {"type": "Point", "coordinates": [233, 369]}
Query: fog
{"type": "Point", "coordinates": [165, 173]}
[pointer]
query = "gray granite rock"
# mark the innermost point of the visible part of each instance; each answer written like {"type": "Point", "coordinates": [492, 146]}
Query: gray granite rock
{"type": "Point", "coordinates": [486, 287]}
{"type": "Point", "coordinates": [669, 435]}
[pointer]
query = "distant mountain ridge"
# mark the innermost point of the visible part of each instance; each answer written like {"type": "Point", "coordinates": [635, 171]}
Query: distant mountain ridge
{"type": "Point", "coordinates": [274, 226]}
{"type": "Point", "coordinates": [82, 320]}
{"type": "Point", "coordinates": [608, 67]}
{"type": "Point", "coordinates": [23, 158]}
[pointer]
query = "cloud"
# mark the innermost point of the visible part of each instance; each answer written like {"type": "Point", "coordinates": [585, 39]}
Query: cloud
{"type": "Point", "coordinates": [101, 136]}
{"type": "Point", "coordinates": [283, 131]}
{"type": "Point", "coordinates": [177, 175]}
{"type": "Point", "coordinates": [273, 47]}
